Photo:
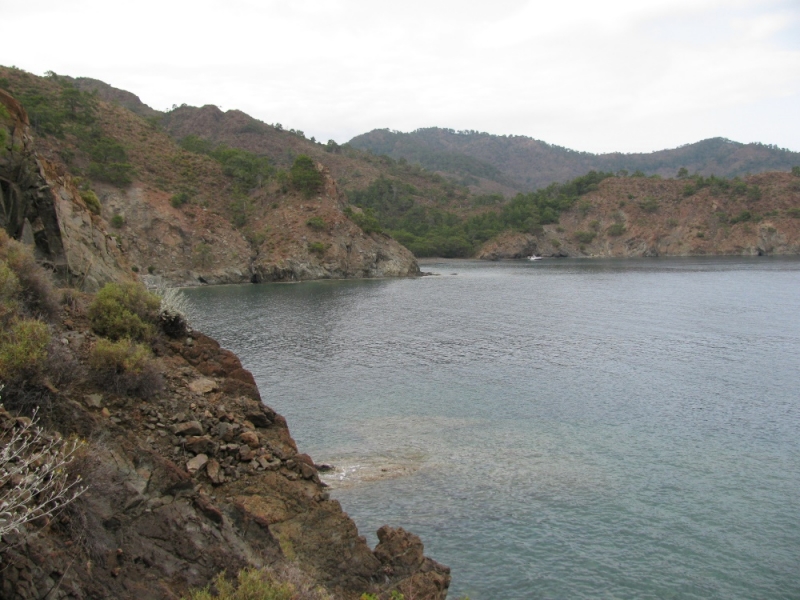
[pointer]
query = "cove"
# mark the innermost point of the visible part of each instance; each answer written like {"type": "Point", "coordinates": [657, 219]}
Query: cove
{"type": "Point", "coordinates": [572, 428]}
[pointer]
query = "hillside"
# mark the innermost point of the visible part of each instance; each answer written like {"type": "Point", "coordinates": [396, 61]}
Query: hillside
{"type": "Point", "coordinates": [207, 195]}
{"type": "Point", "coordinates": [184, 217]}
{"type": "Point", "coordinates": [529, 164]}
{"type": "Point", "coordinates": [174, 470]}
{"type": "Point", "coordinates": [638, 216]}
{"type": "Point", "coordinates": [137, 459]}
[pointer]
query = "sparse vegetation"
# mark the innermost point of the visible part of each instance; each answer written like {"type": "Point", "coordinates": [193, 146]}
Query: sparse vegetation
{"type": "Point", "coordinates": [316, 248]}
{"type": "Point", "coordinates": [247, 169]}
{"type": "Point", "coordinates": [585, 237]}
{"type": "Point", "coordinates": [179, 199]}
{"type": "Point", "coordinates": [261, 584]}
{"type": "Point", "coordinates": [91, 200]}
{"type": "Point", "coordinates": [117, 221]}
{"type": "Point", "coordinates": [304, 176]}
{"type": "Point", "coordinates": [316, 223]}
{"type": "Point", "coordinates": [649, 204]}
{"type": "Point", "coordinates": [616, 229]}
{"type": "Point", "coordinates": [125, 367]}
{"type": "Point", "coordinates": [174, 312]}
{"type": "Point", "coordinates": [23, 349]}
{"type": "Point", "coordinates": [742, 217]}
{"type": "Point", "coordinates": [36, 463]}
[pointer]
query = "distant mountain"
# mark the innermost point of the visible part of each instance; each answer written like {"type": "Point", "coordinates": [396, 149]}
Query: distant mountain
{"type": "Point", "coordinates": [528, 164]}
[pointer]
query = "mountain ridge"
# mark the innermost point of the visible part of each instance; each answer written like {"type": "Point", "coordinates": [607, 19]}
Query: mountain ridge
{"type": "Point", "coordinates": [532, 163]}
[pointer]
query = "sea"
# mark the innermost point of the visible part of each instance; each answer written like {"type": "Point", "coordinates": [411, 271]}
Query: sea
{"type": "Point", "coordinates": [561, 428]}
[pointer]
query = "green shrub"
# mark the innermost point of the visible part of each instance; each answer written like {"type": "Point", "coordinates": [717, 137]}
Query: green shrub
{"type": "Point", "coordinates": [9, 292]}
{"type": "Point", "coordinates": [36, 291]}
{"type": "Point", "coordinates": [594, 225]}
{"type": "Point", "coordinates": [555, 243]}
{"type": "Point", "coordinates": [91, 200]}
{"type": "Point", "coordinates": [261, 584]}
{"type": "Point", "coordinates": [754, 193]}
{"type": "Point", "coordinates": [304, 176]}
{"type": "Point", "coordinates": [796, 171]}
{"type": "Point", "coordinates": [117, 221]}
{"type": "Point", "coordinates": [742, 217]}
{"type": "Point", "coordinates": [616, 230]}
{"type": "Point", "coordinates": [316, 248]}
{"type": "Point", "coordinates": [793, 212]}
{"type": "Point", "coordinates": [585, 237]}
{"type": "Point", "coordinates": [672, 222]}
{"type": "Point", "coordinates": [722, 216]}
{"type": "Point", "coordinates": [125, 367]}
{"type": "Point", "coordinates": [649, 204]}
{"type": "Point", "coordinates": [179, 199]}
{"type": "Point", "coordinates": [124, 310]}
{"type": "Point", "coordinates": [317, 223]}
{"type": "Point", "coordinates": [23, 349]}
{"type": "Point", "coordinates": [116, 173]}
{"type": "Point", "coordinates": [689, 190]}
{"type": "Point", "coordinates": [366, 220]}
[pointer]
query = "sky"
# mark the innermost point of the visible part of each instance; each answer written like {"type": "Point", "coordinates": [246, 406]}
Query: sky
{"type": "Point", "coordinates": [619, 75]}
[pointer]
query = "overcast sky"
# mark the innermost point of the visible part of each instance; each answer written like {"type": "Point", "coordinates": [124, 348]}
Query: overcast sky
{"type": "Point", "coordinates": [619, 75]}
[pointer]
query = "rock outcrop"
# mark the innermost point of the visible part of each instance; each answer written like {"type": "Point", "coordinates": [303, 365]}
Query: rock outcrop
{"type": "Point", "coordinates": [203, 478]}
{"type": "Point", "coordinates": [640, 217]}
{"type": "Point", "coordinates": [42, 206]}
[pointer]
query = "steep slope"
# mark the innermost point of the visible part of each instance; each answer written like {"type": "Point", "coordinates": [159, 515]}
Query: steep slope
{"type": "Point", "coordinates": [637, 216]}
{"type": "Point", "coordinates": [351, 168]}
{"type": "Point", "coordinates": [180, 215]}
{"type": "Point", "coordinates": [186, 472]}
{"type": "Point", "coordinates": [531, 164]}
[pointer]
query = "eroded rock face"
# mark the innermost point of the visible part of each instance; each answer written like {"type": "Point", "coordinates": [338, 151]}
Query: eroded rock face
{"type": "Point", "coordinates": [42, 206]}
{"type": "Point", "coordinates": [196, 481]}
{"type": "Point", "coordinates": [643, 217]}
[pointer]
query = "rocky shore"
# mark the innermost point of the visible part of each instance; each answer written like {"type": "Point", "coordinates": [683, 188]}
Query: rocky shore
{"type": "Point", "coordinates": [200, 479]}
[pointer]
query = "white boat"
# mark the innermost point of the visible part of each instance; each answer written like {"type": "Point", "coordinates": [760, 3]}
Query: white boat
{"type": "Point", "coordinates": [534, 257]}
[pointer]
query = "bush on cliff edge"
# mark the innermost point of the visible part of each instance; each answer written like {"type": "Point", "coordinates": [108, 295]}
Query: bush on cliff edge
{"type": "Point", "coordinates": [124, 310]}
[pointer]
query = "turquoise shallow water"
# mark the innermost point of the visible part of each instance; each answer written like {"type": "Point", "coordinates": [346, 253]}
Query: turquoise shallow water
{"type": "Point", "coordinates": [557, 429]}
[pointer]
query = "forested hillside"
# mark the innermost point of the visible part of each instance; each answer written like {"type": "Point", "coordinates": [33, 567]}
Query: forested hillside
{"type": "Point", "coordinates": [527, 164]}
{"type": "Point", "coordinates": [229, 196]}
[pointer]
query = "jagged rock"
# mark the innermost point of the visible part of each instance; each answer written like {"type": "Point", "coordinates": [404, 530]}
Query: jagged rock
{"type": "Point", "coordinates": [188, 428]}
{"type": "Point", "coordinates": [250, 438]}
{"type": "Point", "coordinates": [402, 555]}
{"type": "Point", "coordinates": [94, 400]}
{"type": "Point", "coordinates": [203, 385]}
{"type": "Point", "coordinates": [214, 472]}
{"type": "Point", "coordinates": [246, 453]}
{"type": "Point", "coordinates": [201, 444]}
{"type": "Point", "coordinates": [258, 419]}
{"type": "Point", "coordinates": [196, 463]}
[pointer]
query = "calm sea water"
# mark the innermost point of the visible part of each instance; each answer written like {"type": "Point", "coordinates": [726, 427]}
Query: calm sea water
{"type": "Point", "coordinates": [557, 429]}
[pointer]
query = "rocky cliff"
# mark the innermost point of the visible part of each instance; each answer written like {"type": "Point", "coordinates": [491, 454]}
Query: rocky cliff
{"type": "Point", "coordinates": [631, 217]}
{"type": "Point", "coordinates": [42, 205]}
{"type": "Point", "coordinates": [197, 476]}
{"type": "Point", "coordinates": [219, 233]}
{"type": "Point", "coordinates": [201, 478]}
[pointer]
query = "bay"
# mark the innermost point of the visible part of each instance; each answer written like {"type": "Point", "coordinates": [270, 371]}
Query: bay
{"type": "Point", "coordinates": [551, 429]}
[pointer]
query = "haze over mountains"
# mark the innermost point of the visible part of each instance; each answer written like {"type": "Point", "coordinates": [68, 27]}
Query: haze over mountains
{"type": "Point", "coordinates": [527, 164]}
